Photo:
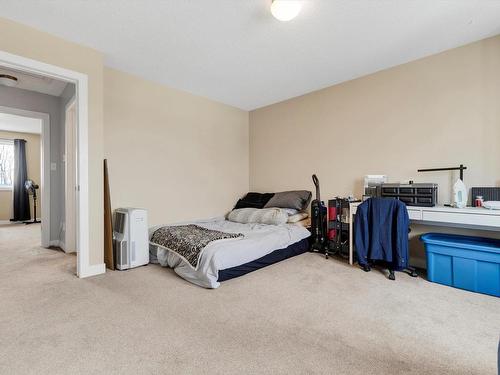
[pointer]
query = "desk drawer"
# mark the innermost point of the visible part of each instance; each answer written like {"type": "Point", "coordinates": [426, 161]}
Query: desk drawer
{"type": "Point", "coordinates": [414, 214]}
{"type": "Point", "coordinates": [462, 218]}
{"type": "Point", "coordinates": [407, 200]}
{"type": "Point", "coordinates": [406, 191]}
{"type": "Point", "coordinates": [425, 201]}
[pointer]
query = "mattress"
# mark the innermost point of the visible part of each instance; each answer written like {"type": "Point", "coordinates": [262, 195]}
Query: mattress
{"type": "Point", "coordinates": [276, 256]}
{"type": "Point", "coordinates": [259, 240]}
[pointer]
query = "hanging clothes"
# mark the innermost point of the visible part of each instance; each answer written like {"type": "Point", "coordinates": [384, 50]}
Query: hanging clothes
{"type": "Point", "coordinates": [381, 232]}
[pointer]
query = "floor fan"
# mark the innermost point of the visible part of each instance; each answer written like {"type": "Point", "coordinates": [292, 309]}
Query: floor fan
{"type": "Point", "coordinates": [31, 188]}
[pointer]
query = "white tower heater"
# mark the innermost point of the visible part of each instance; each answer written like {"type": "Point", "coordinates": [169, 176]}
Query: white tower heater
{"type": "Point", "coordinates": [130, 238]}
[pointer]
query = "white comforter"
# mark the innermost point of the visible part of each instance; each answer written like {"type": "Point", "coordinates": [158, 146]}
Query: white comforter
{"type": "Point", "coordinates": [259, 240]}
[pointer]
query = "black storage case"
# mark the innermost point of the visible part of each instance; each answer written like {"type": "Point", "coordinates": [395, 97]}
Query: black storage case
{"type": "Point", "coordinates": [420, 194]}
{"type": "Point", "coordinates": [488, 194]}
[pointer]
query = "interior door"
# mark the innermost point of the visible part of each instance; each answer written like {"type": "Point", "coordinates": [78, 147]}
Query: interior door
{"type": "Point", "coordinates": [70, 145]}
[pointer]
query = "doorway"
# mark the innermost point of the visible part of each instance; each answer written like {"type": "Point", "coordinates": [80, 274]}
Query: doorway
{"type": "Point", "coordinates": [81, 190]}
{"type": "Point", "coordinates": [16, 122]}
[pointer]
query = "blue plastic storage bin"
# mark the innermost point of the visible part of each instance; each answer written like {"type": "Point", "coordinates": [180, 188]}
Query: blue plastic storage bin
{"type": "Point", "coordinates": [471, 263]}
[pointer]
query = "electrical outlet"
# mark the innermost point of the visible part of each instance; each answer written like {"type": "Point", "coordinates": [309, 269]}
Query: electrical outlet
{"type": "Point", "coordinates": [53, 166]}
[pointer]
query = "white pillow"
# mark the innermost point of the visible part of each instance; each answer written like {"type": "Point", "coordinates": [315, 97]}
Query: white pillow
{"type": "Point", "coordinates": [272, 216]}
{"type": "Point", "coordinates": [290, 211]}
{"type": "Point", "coordinates": [297, 217]}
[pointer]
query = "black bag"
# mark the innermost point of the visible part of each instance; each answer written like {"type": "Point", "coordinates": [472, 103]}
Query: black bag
{"type": "Point", "coordinates": [318, 220]}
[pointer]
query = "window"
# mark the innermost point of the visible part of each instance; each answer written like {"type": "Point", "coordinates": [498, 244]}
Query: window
{"type": "Point", "coordinates": [6, 163]}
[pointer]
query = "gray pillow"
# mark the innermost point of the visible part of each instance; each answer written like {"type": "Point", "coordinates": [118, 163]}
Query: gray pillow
{"type": "Point", "coordinates": [297, 199]}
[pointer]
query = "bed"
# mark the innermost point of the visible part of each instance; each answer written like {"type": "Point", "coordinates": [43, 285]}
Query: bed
{"type": "Point", "coordinates": [259, 246]}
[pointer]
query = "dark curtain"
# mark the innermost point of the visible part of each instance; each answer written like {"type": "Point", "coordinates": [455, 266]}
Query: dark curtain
{"type": "Point", "coordinates": [21, 204]}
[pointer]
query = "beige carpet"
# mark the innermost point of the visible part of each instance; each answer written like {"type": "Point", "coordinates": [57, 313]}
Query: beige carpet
{"type": "Point", "coordinates": [306, 315]}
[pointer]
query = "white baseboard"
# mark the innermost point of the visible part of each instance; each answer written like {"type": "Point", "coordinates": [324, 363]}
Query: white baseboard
{"type": "Point", "coordinates": [60, 244]}
{"type": "Point", "coordinates": [3, 222]}
{"type": "Point", "coordinates": [89, 271]}
{"type": "Point", "coordinates": [93, 270]}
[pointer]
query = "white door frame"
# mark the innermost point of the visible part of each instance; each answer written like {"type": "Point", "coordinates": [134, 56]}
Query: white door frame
{"type": "Point", "coordinates": [70, 193]}
{"type": "Point", "coordinates": [44, 164]}
{"type": "Point", "coordinates": [84, 268]}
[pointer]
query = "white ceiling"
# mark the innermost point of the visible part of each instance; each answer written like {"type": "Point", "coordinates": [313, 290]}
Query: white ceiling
{"type": "Point", "coordinates": [235, 52]}
{"type": "Point", "coordinates": [20, 124]}
{"type": "Point", "coordinates": [33, 82]}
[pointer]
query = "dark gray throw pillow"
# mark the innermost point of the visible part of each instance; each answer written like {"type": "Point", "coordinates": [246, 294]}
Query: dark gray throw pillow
{"type": "Point", "coordinates": [298, 199]}
{"type": "Point", "coordinates": [253, 200]}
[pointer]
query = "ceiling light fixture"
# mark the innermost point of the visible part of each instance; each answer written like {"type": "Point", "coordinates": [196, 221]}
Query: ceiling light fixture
{"type": "Point", "coordinates": [285, 10]}
{"type": "Point", "coordinates": [8, 80]}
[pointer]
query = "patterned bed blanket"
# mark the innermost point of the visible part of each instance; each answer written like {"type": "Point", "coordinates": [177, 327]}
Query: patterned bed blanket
{"type": "Point", "coordinates": [188, 241]}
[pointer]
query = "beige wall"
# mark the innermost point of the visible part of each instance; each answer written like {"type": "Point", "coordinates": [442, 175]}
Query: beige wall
{"type": "Point", "coordinates": [34, 168]}
{"type": "Point", "coordinates": [439, 111]}
{"type": "Point", "coordinates": [183, 156]}
{"type": "Point", "coordinates": [178, 155]}
{"type": "Point", "coordinates": [28, 42]}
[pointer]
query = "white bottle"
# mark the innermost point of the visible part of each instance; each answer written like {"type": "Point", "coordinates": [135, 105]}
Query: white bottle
{"type": "Point", "coordinates": [459, 194]}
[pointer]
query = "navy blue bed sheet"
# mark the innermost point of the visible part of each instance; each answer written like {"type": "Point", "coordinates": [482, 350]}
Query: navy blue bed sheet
{"type": "Point", "coordinates": [276, 256]}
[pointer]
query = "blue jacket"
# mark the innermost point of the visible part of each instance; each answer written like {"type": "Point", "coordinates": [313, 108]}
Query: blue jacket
{"type": "Point", "coordinates": [381, 232]}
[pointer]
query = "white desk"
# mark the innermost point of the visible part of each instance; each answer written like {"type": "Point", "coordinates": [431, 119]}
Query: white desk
{"type": "Point", "coordinates": [469, 217]}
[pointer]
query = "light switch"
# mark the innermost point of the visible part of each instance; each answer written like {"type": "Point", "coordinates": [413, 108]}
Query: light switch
{"type": "Point", "coordinates": [53, 166]}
